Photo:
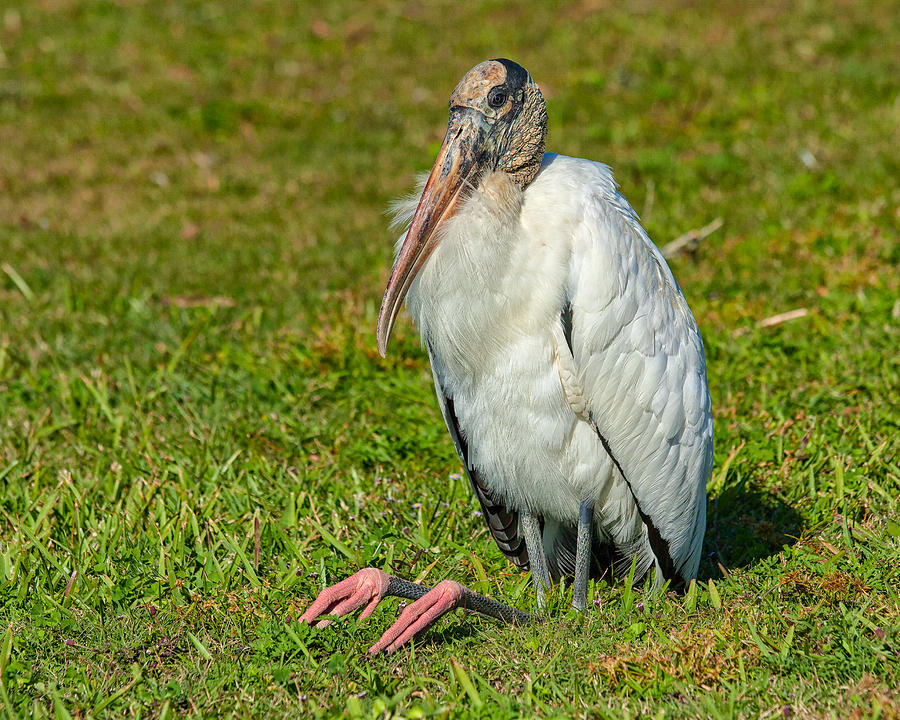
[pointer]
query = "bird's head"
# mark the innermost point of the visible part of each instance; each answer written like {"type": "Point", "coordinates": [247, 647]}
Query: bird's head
{"type": "Point", "coordinates": [498, 122]}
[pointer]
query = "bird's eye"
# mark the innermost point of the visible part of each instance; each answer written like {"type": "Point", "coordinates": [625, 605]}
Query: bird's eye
{"type": "Point", "coordinates": [496, 98]}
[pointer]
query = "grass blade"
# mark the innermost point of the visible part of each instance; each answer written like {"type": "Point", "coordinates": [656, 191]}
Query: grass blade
{"type": "Point", "coordinates": [201, 648]}
{"type": "Point", "coordinates": [466, 683]}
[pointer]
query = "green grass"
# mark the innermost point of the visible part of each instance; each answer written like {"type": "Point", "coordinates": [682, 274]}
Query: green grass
{"type": "Point", "coordinates": [196, 433]}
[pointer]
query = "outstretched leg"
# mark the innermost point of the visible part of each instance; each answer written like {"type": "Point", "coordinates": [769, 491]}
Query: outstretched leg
{"type": "Point", "coordinates": [370, 585]}
{"type": "Point", "coordinates": [583, 554]}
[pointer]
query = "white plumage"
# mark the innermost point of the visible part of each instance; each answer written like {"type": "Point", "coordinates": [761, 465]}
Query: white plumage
{"type": "Point", "coordinates": [488, 304]}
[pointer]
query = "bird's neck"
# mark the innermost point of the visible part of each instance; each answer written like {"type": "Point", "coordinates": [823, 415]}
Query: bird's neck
{"type": "Point", "coordinates": [472, 297]}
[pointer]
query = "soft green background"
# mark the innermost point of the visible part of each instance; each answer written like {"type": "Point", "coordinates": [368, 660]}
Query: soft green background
{"type": "Point", "coordinates": [196, 432]}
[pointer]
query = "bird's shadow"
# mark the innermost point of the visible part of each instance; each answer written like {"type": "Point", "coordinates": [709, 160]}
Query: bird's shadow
{"type": "Point", "coordinates": [745, 525]}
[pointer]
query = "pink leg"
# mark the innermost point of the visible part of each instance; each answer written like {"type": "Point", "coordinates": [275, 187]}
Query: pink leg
{"type": "Point", "coordinates": [367, 587]}
{"type": "Point", "coordinates": [370, 585]}
{"type": "Point", "coordinates": [420, 615]}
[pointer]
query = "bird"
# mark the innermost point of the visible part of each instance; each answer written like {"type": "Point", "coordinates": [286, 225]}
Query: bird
{"type": "Point", "coordinates": [568, 367]}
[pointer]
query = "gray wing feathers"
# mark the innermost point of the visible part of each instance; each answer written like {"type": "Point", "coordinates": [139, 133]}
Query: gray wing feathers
{"type": "Point", "coordinates": [639, 360]}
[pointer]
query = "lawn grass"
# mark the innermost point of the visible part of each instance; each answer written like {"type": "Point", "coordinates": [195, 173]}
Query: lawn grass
{"type": "Point", "coordinates": [196, 433]}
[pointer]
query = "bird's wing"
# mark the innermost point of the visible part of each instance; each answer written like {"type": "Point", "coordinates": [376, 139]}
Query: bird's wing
{"type": "Point", "coordinates": [501, 521]}
{"type": "Point", "coordinates": [632, 363]}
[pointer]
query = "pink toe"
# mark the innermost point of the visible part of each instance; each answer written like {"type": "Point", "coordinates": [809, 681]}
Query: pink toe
{"type": "Point", "coordinates": [365, 587]}
{"type": "Point", "coordinates": [419, 616]}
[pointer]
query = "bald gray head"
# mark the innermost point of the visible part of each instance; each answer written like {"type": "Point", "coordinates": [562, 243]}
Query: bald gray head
{"type": "Point", "coordinates": [512, 109]}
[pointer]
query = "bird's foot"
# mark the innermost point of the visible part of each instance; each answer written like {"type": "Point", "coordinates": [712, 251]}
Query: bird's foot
{"type": "Point", "coordinates": [370, 585]}
{"type": "Point", "coordinates": [420, 615]}
{"type": "Point", "coordinates": [367, 587]}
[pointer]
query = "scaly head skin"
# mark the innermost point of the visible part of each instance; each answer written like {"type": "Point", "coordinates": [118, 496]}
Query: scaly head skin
{"type": "Point", "coordinates": [498, 121]}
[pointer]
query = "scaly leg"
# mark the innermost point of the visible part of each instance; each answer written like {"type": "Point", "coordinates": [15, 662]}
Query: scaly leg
{"type": "Point", "coordinates": [540, 575]}
{"type": "Point", "coordinates": [370, 585]}
{"type": "Point", "coordinates": [583, 554]}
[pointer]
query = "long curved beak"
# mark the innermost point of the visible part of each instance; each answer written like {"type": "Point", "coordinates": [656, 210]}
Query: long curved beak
{"type": "Point", "coordinates": [458, 164]}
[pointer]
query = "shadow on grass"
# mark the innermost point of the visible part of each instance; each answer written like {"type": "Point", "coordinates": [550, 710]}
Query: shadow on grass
{"type": "Point", "coordinates": [744, 526]}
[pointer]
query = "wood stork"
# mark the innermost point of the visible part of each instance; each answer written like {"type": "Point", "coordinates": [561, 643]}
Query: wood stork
{"type": "Point", "coordinates": [567, 364]}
